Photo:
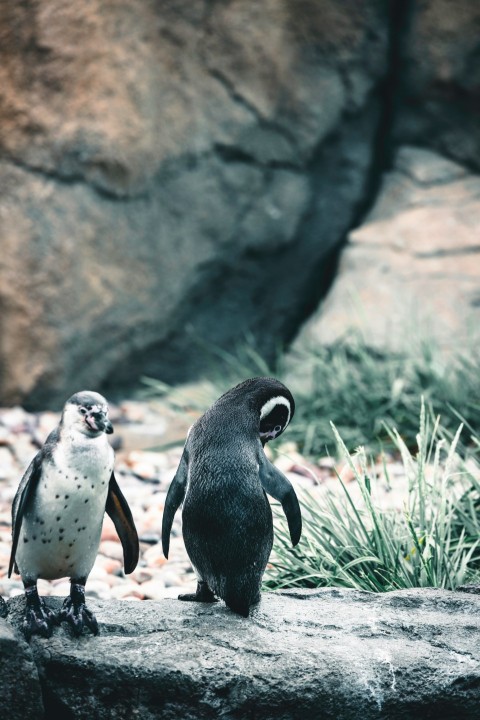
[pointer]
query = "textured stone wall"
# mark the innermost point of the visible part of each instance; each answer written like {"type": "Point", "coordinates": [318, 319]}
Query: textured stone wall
{"type": "Point", "coordinates": [179, 175]}
{"type": "Point", "coordinates": [411, 271]}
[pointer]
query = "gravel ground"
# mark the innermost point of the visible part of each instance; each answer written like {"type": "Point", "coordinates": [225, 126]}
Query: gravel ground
{"type": "Point", "coordinates": [148, 442]}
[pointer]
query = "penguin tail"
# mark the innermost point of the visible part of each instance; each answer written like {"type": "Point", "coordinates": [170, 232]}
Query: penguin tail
{"type": "Point", "coordinates": [239, 606]}
{"type": "Point", "coordinates": [241, 600]}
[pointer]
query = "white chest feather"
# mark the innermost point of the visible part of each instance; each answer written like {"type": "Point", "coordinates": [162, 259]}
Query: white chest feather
{"type": "Point", "coordinates": [61, 529]}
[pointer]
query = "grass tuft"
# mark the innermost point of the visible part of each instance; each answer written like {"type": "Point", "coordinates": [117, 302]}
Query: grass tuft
{"type": "Point", "coordinates": [362, 391]}
{"type": "Point", "coordinates": [352, 385]}
{"type": "Point", "coordinates": [349, 540]}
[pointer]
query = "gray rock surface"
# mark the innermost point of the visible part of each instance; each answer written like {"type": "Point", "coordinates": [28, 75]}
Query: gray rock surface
{"type": "Point", "coordinates": [173, 171]}
{"type": "Point", "coordinates": [437, 99]}
{"type": "Point", "coordinates": [334, 654]}
{"type": "Point", "coordinates": [20, 691]}
{"type": "Point", "coordinates": [412, 268]}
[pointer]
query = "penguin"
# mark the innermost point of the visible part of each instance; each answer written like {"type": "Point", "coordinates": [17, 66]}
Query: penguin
{"type": "Point", "coordinates": [58, 510]}
{"type": "Point", "coordinates": [223, 479]}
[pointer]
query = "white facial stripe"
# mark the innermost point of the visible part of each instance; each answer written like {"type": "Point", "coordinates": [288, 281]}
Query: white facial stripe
{"type": "Point", "coordinates": [270, 404]}
{"type": "Point", "coordinates": [97, 408]}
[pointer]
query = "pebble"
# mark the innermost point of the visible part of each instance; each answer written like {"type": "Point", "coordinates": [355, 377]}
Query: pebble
{"type": "Point", "coordinates": [112, 549]}
{"type": "Point", "coordinates": [98, 589]}
{"type": "Point", "coordinates": [142, 574]}
{"type": "Point", "coordinates": [125, 589]}
{"type": "Point", "coordinates": [153, 590]}
{"type": "Point", "coordinates": [60, 588]}
{"type": "Point", "coordinates": [107, 564]}
{"type": "Point", "coordinates": [108, 529]}
{"type": "Point", "coordinates": [154, 556]}
{"type": "Point", "coordinates": [7, 463]}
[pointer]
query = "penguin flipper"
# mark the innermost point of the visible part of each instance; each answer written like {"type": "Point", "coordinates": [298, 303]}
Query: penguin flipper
{"type": "Point", "coordinates": [175, 495]}
{"type": "Point", "coordinates": [276, 484]}
{"type": "Point", "coordinates": [27, 486]}
{"type": "Point", "coordinates": [117, 508]}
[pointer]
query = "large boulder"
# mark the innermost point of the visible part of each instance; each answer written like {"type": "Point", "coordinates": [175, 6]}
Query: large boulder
{"type": "Point", "coordinates": [437, 98]}
{"type": "Point", "coordinates": [411, 270]}
{"type": "Point", "coordinates": [173, 174]}
{"type": "Point", "coordinates": [20, 691]}
{"type": "Point", "coordinates": [334, 654]}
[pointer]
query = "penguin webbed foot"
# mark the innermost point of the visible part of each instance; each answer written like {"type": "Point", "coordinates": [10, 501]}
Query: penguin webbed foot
{"type": "Point", "coordinates": [38, 619]}
{"type": "Point", "coordinates": [202, 594]}
{"type": "Point", "coordinates": [76, 614]}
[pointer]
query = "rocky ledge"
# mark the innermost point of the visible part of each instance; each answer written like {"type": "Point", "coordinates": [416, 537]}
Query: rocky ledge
{"type": "Point", "coordinates": [302, 654]}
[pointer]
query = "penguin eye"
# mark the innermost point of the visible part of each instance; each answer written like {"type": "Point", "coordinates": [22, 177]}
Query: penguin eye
{"type": "Point", "coordinates": [276, 421]}
{"type": "Point", "coordinates": [83, 410]}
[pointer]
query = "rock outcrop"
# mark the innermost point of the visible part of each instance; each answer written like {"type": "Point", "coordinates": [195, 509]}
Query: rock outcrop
{"type": "Point", "coordinates": [20, 691]}
{"type": "Point", "coordinates": [335, 654]}
{"type": "Point", "coordinates": [173, 174]}
{"type": "Point", "coordinates": [412, 269]}
{"type": "Point", "coordinates": [437, 73]}
{"type": "Point", "coordinates": [178, 177]}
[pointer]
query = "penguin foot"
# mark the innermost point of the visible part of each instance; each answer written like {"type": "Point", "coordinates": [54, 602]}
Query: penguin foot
{"type": "Point", "coordinates": [39, 619]}
{"type": "Point", "coordinates": [77, 615]}
{"type": "Point", "coordinates": [202, 594]}
{"type": "Point", "coordinates": [75, 612]}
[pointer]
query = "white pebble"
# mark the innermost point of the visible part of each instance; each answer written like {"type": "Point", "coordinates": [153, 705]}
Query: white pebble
{"type": "Point", "coordinates": [153, 590]}
{"type": "Point", "coordinates": [111, 549]}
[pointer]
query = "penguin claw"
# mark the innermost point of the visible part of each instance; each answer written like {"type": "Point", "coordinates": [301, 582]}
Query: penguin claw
{"type": "Point", "coordinates": [202, 594]}
{"type": "Point", "coordinates": [77, 615]}
{"type": "Point", "coordinates": [38, 621]}
{"type": "Point", "coordinates": [193, 597]}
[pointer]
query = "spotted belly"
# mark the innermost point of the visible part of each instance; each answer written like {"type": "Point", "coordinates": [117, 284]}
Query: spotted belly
{"type": "Point", "coordinates": [61, 528]}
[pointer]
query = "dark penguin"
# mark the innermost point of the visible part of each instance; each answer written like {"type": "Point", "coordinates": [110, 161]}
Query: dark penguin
{"type": "Point", "coordinates": [58, 512]}
{"type": "Point", "coordinates": [222, 479]}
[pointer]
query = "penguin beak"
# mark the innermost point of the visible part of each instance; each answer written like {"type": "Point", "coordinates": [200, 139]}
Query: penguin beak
{"type": "Point", "coordinates": [108, 427]}
{"type": "Point", "coordinates": [270, 434]}
{"type": "Point", "coordinates": [98, 422]}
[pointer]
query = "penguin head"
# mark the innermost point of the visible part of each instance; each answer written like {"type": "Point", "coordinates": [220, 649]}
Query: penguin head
{"type": "Point", "coordinates": [275, 415]}
{"type": "Point", "coordinates": [271, 402]}
{"type": "Point", "coordinates": [87, 412]}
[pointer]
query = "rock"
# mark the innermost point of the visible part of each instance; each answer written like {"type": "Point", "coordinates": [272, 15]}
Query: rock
{"type": "Point", "coordinates": [109, 534]}
{"type": "Point", "coordinates": [150, 538]}
{"type": "Point", "coordinates": [111, 549]}
{"type": "Point", "coordinates": [154, 556]}
{"type": "Point", "coordinates": [142, 574]}
{"type": "Point", "coordinates": [353, 654]}
{"type": "Point", "coordinates": [20, 691]}
{"type": "Point", "coordinates": [153, 590]}
{"type": "Point", "coordinates": [160, 166]}
{"type": "Point", "coordinates": [416, 256]}
{"type": "Point", "coordinates": [97, 589]}
{"type": "Point", "coordinates": [107, 564]}
{"type": "Point", "coordinates": [7, 464]}
{"type": "Point", "coordinates": [127, 589]}
{"type": "Point", "coordinates": [3, 608]}
{"type": "Point", "coordinates": [438, 68]}
{"type": "Point", "coordinates": [15, 419]}
{"type": "Point", "coordinates": [473, 589]}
